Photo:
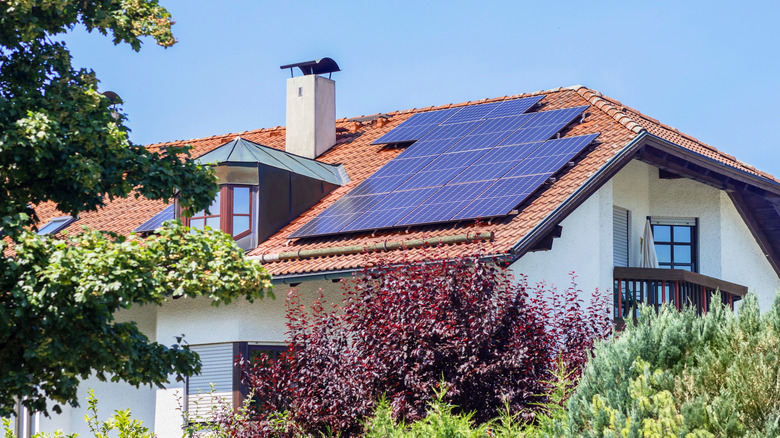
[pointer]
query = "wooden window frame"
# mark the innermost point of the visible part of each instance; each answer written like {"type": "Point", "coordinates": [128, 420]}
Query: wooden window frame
{"type": "Point", "coordinates": [226, 211]}
{"type": "Point", "coordinates": [693, 244]}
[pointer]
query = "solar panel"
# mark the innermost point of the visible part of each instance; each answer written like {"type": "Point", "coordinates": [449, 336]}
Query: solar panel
{"type": "Point", "coordinates": [515, 106]}
{"type": "Point", "coordinates": [467, 167]}
{"type": "Point", "coordinates": [441, 205]}
{"type": "Point", "coordinates": [402, 203]}
{"type": "Point", "coordinates": [471, 113]}
{"type": "Point", "coordinates": [418, 125]}
{"type": "Point", "coordinates": [157, 220]}
{"type": "Point", "coordinates": [415, 126]}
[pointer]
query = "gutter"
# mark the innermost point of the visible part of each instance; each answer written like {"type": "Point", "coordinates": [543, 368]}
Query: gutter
{"type": "Point", "coordinates": [378, 247]}
{"type": "Point", "coordinates": [573, 201]}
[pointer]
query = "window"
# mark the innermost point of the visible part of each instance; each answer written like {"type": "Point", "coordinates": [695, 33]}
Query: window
{"type": "Point", "coordinates": [620, 228]}
{"type": "Point", "coordinates": [230, 212]}
{"type": "Point", "coordinates": [55, 225]}
{"type": "Point", "coordinates": [219, 382]}
{"type": "Point", "coordinates": [675, 242]}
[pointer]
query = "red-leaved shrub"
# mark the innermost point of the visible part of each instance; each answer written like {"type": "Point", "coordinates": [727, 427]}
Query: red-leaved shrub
{"type": "Point", "coordinates": [403, 329]}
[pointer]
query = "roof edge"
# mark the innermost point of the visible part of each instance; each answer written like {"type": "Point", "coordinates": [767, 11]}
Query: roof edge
{"type": "Point", "coordinates": [596, 99]}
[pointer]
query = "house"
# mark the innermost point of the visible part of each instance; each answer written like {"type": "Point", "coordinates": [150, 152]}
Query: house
{"type": "Point", "coordinates": [557, 181]}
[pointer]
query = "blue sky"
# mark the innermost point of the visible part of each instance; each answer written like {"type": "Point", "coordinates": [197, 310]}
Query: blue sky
{"type": "Point", "coordinates": [710, 69]}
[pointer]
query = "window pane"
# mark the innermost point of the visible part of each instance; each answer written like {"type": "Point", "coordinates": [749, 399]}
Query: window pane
{"type": "Point", "coordinates": [682, 254]}
{"type": "Point", "coordinates": [51, 226]}
{"type": "Point", "coordinates": [684, 268]}
{"type": "Point", "coordinates": [240, 200]}
{"type": "Point", "coordinates": [682, 234]}
{"type": "Point", "coordinates": [213, 222]}
{"type": "Point", "coordinates": [214, 208]}
{"type": "Point", "coordinates": [240, 224]}
{"type": "Point", "coordinates": [662, 233]}
{"type": "Point", "coordinates": [196, 223]}
{"type": "Point", "coordinates": [664, 253]}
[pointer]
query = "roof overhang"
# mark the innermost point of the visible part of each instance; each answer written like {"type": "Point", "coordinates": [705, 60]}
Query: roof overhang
{"type": "Point", "coordinates": [757, 199]}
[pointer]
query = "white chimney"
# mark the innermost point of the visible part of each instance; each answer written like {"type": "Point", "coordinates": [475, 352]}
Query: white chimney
{"type": "Point", "coordinates": [311, 109]}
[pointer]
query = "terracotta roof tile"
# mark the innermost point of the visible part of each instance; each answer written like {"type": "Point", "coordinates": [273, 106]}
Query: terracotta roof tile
{"type": "Point", "coordinates": [617, 124]}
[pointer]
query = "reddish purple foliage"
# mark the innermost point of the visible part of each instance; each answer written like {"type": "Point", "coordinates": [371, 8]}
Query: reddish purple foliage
{"type": "Point", "coordinates": [403, 329]}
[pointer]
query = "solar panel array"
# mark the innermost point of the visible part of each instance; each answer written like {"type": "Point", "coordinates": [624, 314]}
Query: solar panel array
{"type": "Point", "coordinates": [476, 162]}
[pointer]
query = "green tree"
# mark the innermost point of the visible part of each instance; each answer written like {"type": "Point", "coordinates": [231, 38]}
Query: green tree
{"type": "Point", "coordinates": [60, 142]}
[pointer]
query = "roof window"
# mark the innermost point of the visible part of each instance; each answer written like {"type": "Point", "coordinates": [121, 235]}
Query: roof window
{"type": "Point", "coordinates": [56, 225]}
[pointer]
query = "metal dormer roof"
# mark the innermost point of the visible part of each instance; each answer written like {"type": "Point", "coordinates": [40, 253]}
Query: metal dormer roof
{"type": "Point", "coordinates": [244, 151]}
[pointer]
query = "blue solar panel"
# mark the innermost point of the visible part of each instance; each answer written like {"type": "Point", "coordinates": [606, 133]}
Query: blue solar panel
{"type": "Point", "coordinates": [157, 220]}
{"type": "Point", "coordinates": [501, 197]}
{"type": "Point", "coordinates": [424, 148]}
{"type": "Point", "coordinates": [353, 204]}
{"type": "Point", "coordinates": [564, 146]}
{"type": "Point", "coordinates": [475, 142]}
{"type": "Point", "coordinates": [401, 203]}
{"type": "Point", "coordinates": [502, 124]}
{"type": "Point", "coordinates": [515, 106]}
{"type": "Point", "coordinates": [432, 178]}
{"type": "Point", "coordinates": [469, 167]}
{"type": "Point", "coordinates": [457, 130]}
{"type": "Point", "coordinates": [473, 112]}
{"type": "Point", "coordinates": [484, 172]}
{"type": "Point", "coordinates": [494, 110]}
{"type": "Point", "coordinates": [444, 203]}
{"type": "Point", "coordinates": [415, 126]}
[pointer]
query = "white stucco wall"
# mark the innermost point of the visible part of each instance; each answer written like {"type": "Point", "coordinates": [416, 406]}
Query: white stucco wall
{"type": "Point", "coordinates": [585, 248]}
{"type": "Point", "coordinates": [742, 260]}
{"type": "Point", "coordinates": [727, 249]}
{"type": "Point", "coordinates": [261, 322]}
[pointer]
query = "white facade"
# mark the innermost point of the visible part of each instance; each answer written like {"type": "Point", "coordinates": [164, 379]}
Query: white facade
{"type": "Point", "coordinates": [726, 250]}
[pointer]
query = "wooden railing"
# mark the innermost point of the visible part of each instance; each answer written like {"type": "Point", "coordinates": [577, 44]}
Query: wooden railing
{"type": "Point", "coordinates": [680, 288]}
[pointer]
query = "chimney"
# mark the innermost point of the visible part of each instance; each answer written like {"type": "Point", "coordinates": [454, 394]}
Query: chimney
{"type": "Point", "coordinates": [311, 108]}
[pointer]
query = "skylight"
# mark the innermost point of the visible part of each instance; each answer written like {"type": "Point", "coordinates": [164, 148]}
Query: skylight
{"type": "Point", "coordinates": [55, 225]}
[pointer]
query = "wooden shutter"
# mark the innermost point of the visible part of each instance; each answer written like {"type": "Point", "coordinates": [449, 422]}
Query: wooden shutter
{"type": "Point", "coordinates": [620, 236]}
{"type": "Point", "coordinates": [217, 364]}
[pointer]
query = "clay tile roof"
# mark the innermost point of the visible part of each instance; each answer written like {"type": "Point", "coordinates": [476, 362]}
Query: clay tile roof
{"type": "Point", "coordinates": [616, 123]}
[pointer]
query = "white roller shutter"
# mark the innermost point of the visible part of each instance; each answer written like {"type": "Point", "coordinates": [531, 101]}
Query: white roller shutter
{"type": "Point", "coordinates": [217, 363]}
{"type": "Point", "coordinates": [620, 223]}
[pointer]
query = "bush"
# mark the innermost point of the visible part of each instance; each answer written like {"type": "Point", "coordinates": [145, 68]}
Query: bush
{"type": "Point", "coordinates": [402, 329]}
{"type": "Point", "coordinates": [678, 374]}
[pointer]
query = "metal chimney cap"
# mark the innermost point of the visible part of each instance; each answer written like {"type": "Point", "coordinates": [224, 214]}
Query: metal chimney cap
{"type": "Point", "coordinates": [316, 67]}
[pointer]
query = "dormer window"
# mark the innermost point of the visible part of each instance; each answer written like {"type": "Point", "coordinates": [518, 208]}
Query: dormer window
{"type": "Point", "coordinates": [250, 174]}
{"type": "Point", "coordinates": [230, 212]}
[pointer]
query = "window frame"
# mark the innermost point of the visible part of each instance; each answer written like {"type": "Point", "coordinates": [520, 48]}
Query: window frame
{"type": "Point", "coordinates": [66, 221]}
{"type": "Point", "coordinates": [226, 213]}
{"type": "Point", "coordinates": [672, 223]}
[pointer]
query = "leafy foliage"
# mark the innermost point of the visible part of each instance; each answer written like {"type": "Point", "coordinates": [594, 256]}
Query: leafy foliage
{"type": "Point", "coordinates": [57, 312]}
{"type": "Point", "coordinates": [403, 329]}
{"type": "Point", "coordinates": [121, 424]}
{"type": "Point", "coordinates": [61, 143]}
{"type": "Point", "coordinates": [677, 374]}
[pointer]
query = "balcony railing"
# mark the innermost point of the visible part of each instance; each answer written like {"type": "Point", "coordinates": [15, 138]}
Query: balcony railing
{"type": "Point", "coordinates": [677, 287]}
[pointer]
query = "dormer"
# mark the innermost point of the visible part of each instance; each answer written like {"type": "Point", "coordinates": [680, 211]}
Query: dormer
{"type": "Point", "coordinates": [262, 189]}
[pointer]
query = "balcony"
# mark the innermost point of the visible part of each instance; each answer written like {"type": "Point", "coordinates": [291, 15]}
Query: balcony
{"type": "Point", "coordinates": [678, 287]}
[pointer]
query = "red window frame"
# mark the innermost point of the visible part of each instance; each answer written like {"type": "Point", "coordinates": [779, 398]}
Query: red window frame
{"type": "Point", "coordinates": [225, 212]}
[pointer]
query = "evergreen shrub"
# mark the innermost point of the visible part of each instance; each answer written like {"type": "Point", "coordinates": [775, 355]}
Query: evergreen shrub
{"type": "Point", "coordinates": [678, 374]}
